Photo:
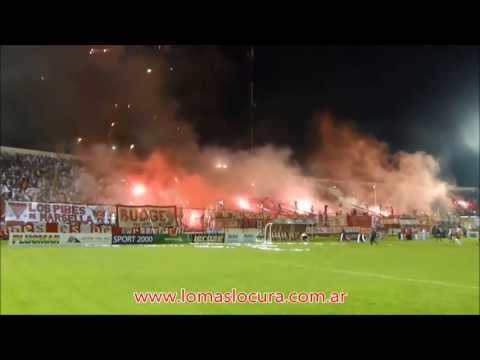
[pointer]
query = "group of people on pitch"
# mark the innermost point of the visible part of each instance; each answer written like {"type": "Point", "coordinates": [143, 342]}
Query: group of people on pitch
{"type": "Point", "coordinates": [362, 236]}
{"type": "Point", "coordinates": [453, 233]}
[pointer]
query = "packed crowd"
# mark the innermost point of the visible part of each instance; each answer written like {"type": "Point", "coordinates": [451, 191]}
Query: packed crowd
{"type": "Point", "coordinates": [29, 177]}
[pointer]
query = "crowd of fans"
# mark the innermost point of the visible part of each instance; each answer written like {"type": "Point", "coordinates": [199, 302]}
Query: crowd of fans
{"type": "Point", "coordinates": [43, 178]}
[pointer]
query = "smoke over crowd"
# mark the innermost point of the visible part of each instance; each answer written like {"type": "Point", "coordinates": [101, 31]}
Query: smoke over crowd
{"type": "Point", "coordinates": [158, 101]}
{"type": "Point", "coordinates": [342, 172]}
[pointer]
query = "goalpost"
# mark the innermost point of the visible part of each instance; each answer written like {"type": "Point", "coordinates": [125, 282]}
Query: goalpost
{"type": "Point", "coordinates": [268, 230]}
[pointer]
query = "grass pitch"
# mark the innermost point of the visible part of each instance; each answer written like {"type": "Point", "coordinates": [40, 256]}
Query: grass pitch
{"type": "Point", "coordinates": [395, 277]}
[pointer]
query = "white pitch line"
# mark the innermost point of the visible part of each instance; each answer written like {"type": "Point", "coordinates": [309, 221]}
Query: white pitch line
{"type": "Point", "coordinates": [381, 276]}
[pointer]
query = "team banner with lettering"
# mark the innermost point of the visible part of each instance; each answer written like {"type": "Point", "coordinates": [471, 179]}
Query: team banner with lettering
{"type": "Point", "coordinates": [32, 212]}
{"type": "Point", "coordinates": [146, 216]}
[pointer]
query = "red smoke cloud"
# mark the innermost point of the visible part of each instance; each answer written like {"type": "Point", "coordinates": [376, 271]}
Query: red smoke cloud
{"type": "Point", "coordinates": [406, 181]}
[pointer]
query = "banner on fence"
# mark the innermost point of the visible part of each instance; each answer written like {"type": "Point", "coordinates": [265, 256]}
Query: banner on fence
{"type": "Point", "coordinates": [147, 216]}
{"type": "Point", "coordinates": [337, 220]}
{"type": "Point", "coordinates": [27, 227]}
{"type": "Point", "coordinates": [241, 235]}
{"type": "Point", "coordinates": [208, 238]}
{"type": "Point", "coordinates": [335, 230]}
{"type": "Point", "coordinates": [225, 223]}
{"type": "Point", "coordinates": [84, 228]}
{"type": "Point", "coordinates": [33, 212]}
{"type": "Point", "coordinates": [359, 220]}
{"type": "Point", "coordinates": [145, 230]}
{"type": "Point", "coordinates": [390, 221]}
{"type": "Point", "coordinates": [289, 221]}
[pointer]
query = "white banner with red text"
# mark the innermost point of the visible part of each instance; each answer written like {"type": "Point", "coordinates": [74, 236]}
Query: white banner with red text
{"type": "Point", "coordinates": [38, 212]}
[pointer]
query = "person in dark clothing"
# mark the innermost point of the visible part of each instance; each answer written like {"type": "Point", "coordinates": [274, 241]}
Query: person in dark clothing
{"type": "Point", "coordinates": [373, 237]}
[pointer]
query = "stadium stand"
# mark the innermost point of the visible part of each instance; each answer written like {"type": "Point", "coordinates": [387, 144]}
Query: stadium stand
{"type": "Point", "coordinates": [29, 175]}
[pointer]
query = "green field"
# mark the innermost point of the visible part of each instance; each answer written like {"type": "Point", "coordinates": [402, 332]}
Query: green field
{"type": "Point", "coordinates": [395, 277]}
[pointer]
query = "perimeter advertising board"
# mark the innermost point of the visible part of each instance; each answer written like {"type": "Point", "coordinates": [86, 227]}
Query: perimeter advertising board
{"type": "Point", "coordinates": [44, 239]}
{"type": "Point", "coordinates": [208, 237]}
{"type": "Point", "coordinates": [132, 239]}
{"type": "Point", "coordinates": [172, 239]}
{"type": "Point", "coordinates": [98, 238]}
{"type": "Point", "coordinates": [241, 235]}
{"type": "Point", "coordinates": [39, 239]}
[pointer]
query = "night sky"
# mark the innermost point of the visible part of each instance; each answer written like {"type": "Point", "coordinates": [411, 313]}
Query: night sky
{"type": "Point", "coordinates": [414, 98]}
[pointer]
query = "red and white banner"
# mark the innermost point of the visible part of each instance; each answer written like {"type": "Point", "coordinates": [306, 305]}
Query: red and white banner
{"type": "Point", "coordinates": [27, 227]}
{"type": "Point", "coordinates": [147, 216]}
{"type": "Point", "coordinates": [32, 212]}
{"type": "Point", "coordinates": [84, 228]}
{"type": "Point", "coordinates": [172, 231]}
{"type": "Point", "coordinates": [57, 228]}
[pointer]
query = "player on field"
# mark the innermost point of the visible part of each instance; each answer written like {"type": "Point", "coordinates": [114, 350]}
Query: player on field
{"type": "Point", "coordinates": [453, 235]}
{"type": "Point", "coordinates": [373, 237]}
